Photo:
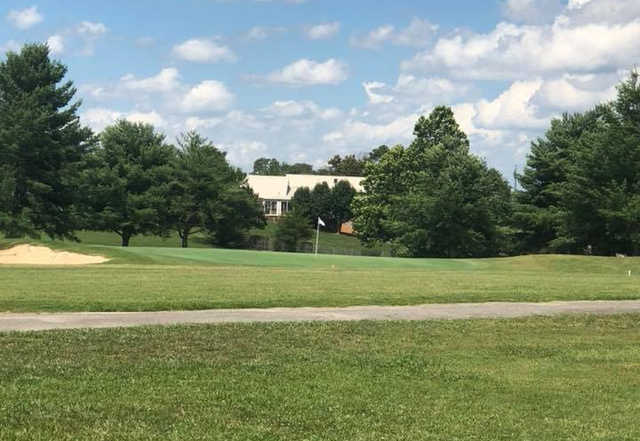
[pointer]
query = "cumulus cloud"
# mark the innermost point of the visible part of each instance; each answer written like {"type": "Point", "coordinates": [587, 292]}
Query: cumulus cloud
{"type": "Point", "coordinates": [25, 18]}
{"type": "Point", "coordinates": [356, 132]}
{"type": "Point", "coordinates": [511, 51]}
{"type": "Point", "coordinates": [97, 118]}
{"type": "Point", "coordinates": [375, 98]}
{"type": "Point", "coordinates": [204, 51]}
{"type": "Point", "coordinates": [92, 29]}
{"type": "Point", "coordinates": [153, 118]}
{"type": "Point", "coordinates": [56, 44]}
{"type": "Point", "coordinates": [532, 11]}
{"type": "Point", "coordinates": [323, 31]}
{"type": "Point", "coordinates": [209, 95]}
{"type": "Point", "coordinates": [418, 33]}
{"type": "Point", "coordinates": [296, 109]}
{"type": "Point", "coordinates": [165, 81]}
{"type": "Point", "coordinates": [306, 72]}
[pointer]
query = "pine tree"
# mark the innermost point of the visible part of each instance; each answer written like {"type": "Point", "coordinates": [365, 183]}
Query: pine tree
{"type": "Point", "coordinates": [41, 145]}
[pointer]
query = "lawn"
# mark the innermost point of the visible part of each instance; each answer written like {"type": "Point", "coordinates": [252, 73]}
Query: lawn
{"type": "Point", "coordinates": [567, 378]}
{"type": "Point", "coordinates": [160, 278]}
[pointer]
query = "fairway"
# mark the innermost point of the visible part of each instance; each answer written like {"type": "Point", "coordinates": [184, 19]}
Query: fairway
{"type": "Point", "coordinates": [532, 379]}
{"type": "Point", "coordinates": [161, 278]}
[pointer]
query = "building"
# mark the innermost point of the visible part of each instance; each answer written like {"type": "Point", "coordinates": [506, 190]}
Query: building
{"type": "Point", "coordinates": [276, 192]}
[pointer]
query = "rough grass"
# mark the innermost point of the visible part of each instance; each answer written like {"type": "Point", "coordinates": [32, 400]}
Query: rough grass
{"type": "Point", "coordinates": [139, 279]}
{"type": "Point", "coordinates": [536, 379]}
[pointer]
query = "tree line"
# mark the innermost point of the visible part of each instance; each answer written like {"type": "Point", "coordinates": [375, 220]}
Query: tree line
{"type": "Point", "coordinates": [579, 191]}
{"type": "Point", "coordinates": [57, 177]}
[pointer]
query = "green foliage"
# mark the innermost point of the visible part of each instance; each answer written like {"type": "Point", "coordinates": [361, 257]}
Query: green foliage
{"type": "Point", "coordinates": [347, 166]}
{"type": "Point", "coordinates": [332, 205]}
{"type": "Point", "coordinates": [41, 145]}
{"type": "Point", "coordinates": [292, 229]}
{"type": "Point", "coordinates": [235, 212]}
{"type": "Point", "coordinates": [581, 184]}
{"type": "Point", "coordinates": [205, 194]}
{"type": "Point", "coordinates": [126, 180]}
{"type": "Point", "coordinates": [434, 198]}
{"type": "Point", "coordinates": [273, 167]}
{"type": "Point", "coordinates": [302, 202]}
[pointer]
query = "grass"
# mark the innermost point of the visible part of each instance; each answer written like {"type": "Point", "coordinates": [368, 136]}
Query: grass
{"type": "Point", "coordinates": [160, 278]}
{"type": "Point", "coordinates": [571, 378]}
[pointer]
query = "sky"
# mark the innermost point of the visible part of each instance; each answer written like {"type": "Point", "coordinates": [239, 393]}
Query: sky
{"type": "Point", "coordinates": [303, 80]}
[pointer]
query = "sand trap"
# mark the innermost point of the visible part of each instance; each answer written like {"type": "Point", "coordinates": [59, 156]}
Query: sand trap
{"type": "Point", "coordinates": [33, 255]}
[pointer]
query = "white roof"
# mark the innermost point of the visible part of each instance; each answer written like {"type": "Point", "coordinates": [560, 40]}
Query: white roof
{"type": "Point", "coordinates": [283, 187]}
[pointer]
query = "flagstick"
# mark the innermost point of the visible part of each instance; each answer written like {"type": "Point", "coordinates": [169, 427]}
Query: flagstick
{"type": "Point", "coordinates": [317, 236]}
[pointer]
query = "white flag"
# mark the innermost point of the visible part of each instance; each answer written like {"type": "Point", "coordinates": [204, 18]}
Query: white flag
{"type": "Point", "coordinates": [321, 222]}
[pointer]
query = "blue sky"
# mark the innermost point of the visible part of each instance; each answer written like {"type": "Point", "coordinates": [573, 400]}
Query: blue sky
{"type": "Point", "coordinates": [302, 80]}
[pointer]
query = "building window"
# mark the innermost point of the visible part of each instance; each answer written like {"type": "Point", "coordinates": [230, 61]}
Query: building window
{"type": "Point", "coordinates": [285, 207]}
{"type": "Point", "coordinates": [270, 207]}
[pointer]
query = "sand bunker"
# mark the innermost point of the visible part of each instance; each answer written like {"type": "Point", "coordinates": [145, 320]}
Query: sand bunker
{"type": "Point", "coordinates": [33, 255]}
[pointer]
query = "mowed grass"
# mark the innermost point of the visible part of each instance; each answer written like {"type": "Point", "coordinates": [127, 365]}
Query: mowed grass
{"type": "Point", "coordinates": [537, 379]}
{"type": "Point", "coordinates": [160, 278]}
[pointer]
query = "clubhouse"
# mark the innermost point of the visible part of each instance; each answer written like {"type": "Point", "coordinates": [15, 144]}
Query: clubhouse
{"type": "Point", "coordinates": [276, 192]}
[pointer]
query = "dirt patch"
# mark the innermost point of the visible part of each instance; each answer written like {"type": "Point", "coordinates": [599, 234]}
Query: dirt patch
{"type": "Point", "coordinates": [34, 255]}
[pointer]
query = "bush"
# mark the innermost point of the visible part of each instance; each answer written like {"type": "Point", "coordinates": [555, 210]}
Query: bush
{"type": "Point", "coordinates": [291, 230]}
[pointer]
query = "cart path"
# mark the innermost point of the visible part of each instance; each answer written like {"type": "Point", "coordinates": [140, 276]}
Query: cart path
{"type": "Point", "coordinates": [454, 311]}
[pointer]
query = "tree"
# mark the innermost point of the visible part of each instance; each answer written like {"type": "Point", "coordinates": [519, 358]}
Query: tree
{"type": "Point", "coordinates": [126, 179]}
{"type": "Point", "coordinates": [602, 193]}
{"type": "Point", "coordinates": [201, 176]}
{"type": "Point", "coordinates": [433, 198]}
{"type": "Point", "coordinates": [321, 205]}
{"type": "Point", "coordinates": [302, 203]}
{"type": "Point", "coordinates": [267, 167]}
{"type": "Point", "coordinates": [342, 195]}
{"type": "Point", "coordinates": [291, 230]}
{"type": "Point", "coordinates": [347, 166]}
{"type": "Point", "coordinates": [539, 212]}
{"type": "Point", "coordinates": [41, 145]}
{"type": "Point", "coordinates": [236, 211]}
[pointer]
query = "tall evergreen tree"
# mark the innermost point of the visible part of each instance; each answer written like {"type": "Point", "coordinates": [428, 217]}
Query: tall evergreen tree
{"type": "Point", "coordinates": [41, 145]}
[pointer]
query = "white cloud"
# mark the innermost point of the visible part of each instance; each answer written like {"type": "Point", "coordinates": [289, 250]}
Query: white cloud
{"type": "Point", "coordinates": [91, 29]}
{"type": "Point", "coordinates": [512, 52]}
{"type": "Point", "coordinates": [56, 44]}
{"type": "Point", "coordinates": [196, 123]}
{"type": "Point", "coordinates": [209, 95]}
{"type": "Point", "coordinates": [309, 72]}
{"type": "Point", "coordinates": [263, 32]}
{"type": "Point", "coordinates": [204, 51]}
{"type": "Point", "coordinates": [295, 109]}
{"type": "Point", "coordinates": [153, 118]}
{"type": "Point", "coordinates": [167, 80]}
{"type": "Point", "coordinates": [375, 38]}
{"type": "Point", "coordinates": [323, 31]}
{"type": "Point", "coordinates": [512, 109]}
{"type": "Point", "coordinates": [243, 153]}
{"type": "Point", "coordinates": [418, 33]}
{"type": "Point", "coordinates": [532, 11]}
{"type": "Point", "coordinates": [575, 92]}
{"type": "Point", "coordinates": [353, 132]}
{"type": "Point", "coordinates": [98, 118]}
{"type": "Point", "coordinates": [25, 18]}
{"type": "Point", "coordinates": [375, 98]}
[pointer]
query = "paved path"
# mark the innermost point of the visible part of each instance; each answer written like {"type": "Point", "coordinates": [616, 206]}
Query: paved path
{"type": "Point", "coordinates": [33, 322]}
